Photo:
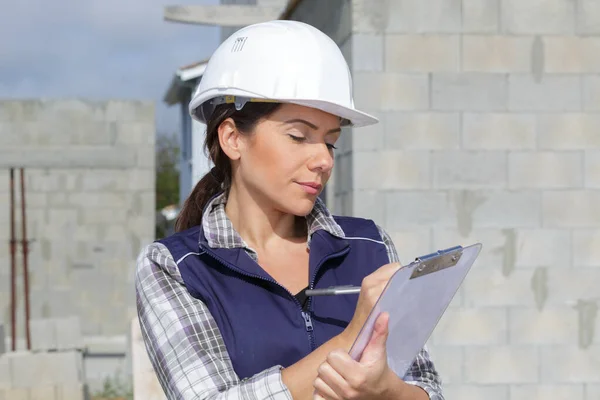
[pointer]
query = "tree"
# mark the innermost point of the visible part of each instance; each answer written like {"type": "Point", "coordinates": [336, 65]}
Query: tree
{"type": "Point", "coordinates": [167, 171]}
{"type": "Point", "coordinates": [167, 180]}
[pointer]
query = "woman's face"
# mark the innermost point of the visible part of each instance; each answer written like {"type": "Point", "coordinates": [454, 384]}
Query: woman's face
{"type": "Point", "coordinates": [287, 160]}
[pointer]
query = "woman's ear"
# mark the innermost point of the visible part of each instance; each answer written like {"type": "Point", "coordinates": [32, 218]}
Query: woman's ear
{"type": "Point", "coordinates": [229, 139]}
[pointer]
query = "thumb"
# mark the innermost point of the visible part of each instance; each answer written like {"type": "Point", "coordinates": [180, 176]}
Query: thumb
{"type": "Point", "coordinates": [375, 349]}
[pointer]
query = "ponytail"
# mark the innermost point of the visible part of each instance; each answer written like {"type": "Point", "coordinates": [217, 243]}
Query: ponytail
{"type": "Point", "coordinates": [219, 178]}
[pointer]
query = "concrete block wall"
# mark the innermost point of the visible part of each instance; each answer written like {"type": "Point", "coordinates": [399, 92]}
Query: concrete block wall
{"type": "Point", "coordinates": [89, 177]}
{"type": "Point", "coordinates": [43, 376]}
{"type": "Point", "coordinates": [489, 132]}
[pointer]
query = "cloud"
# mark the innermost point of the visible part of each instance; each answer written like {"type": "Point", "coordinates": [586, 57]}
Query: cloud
{"type": "Point", "coordinates": [97, 49]}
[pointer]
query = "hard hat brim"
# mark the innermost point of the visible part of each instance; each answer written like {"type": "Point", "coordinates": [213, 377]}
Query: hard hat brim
{"type": "Point", "coordinates": [355, 117]}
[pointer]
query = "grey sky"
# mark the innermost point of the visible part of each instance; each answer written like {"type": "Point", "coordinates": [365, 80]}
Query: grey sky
{"type": "Point", "coordinates": [97, 49]}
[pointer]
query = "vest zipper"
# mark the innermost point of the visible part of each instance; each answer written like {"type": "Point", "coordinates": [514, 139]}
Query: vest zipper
{"type": "Point", "coordinates": [311, 286]}
{"type": "Point", "coordinates": [305, 316]}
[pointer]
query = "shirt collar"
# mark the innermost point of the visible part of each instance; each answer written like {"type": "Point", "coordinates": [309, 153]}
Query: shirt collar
{"type": "Point", "coordinates": [220, 233]}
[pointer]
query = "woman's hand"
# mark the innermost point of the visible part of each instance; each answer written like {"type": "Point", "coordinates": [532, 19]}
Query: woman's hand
{"type": "Point", "coordinates": [342, 378]}
{"type": "Point", "coordinates": [371, 288]}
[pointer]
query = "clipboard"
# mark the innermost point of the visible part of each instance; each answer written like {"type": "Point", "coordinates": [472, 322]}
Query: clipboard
{"type": "Point", "coordinates": [416, 297]}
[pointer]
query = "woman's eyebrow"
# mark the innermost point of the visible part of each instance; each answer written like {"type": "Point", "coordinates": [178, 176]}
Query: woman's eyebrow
{"type": "Point", "coordinates": [309, 124]}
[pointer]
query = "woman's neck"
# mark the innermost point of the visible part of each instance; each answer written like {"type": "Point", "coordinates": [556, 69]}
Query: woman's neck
{"type": "Point", "coordinates": [259, 224]}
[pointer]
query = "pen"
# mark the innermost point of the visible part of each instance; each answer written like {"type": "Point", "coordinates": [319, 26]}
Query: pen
{"type": "Point", "coordinates": [334, 290]}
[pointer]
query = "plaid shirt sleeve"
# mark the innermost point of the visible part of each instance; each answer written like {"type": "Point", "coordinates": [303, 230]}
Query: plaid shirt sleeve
{"type": "Point", "coordinates": [183, 341]}
{"type": "Point", "coordinates": [422, 372]}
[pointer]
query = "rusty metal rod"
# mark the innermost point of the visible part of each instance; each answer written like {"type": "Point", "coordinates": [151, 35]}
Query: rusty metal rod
{"type": "Point", "coordinates": [13, 269]}
{"type": "Point", "coordinates": [24, 242]}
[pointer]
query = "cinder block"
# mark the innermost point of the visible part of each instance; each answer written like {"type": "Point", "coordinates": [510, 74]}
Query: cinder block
{"type": "Point", "coordinates": [43, 392]}
{"type": "Point", "coordinates": [366, 16]}
{"type": "Point", "coordinates": [480, 16]}
{"type": "Point", "coordinates": [551, 93]}
{"type": "Point", "coordinates": [543, 247]}
{"type": "Point", "coordinates": [546, 391]}
{"type": "Point", "coordinates": [567, 286]}
{"type": "Point", "coordinates": [592, 169]}
{"type": "Point", "coordinates": [5, 380]}
{"type": "Point", "coordinates": [16, 394]}
{"type": "Point", "coordinates": [368, 138]}
{"type": "Point", "coordinates": [129, 110]}
{"type": "Point", "coordinates": [398, 170]}
{"type": "Point", "coordinates": [391, 91]}
{"type": "Point", "coordinates": [498, 209]}
{"type": "Point", "coordinates": [572, 54]}
{"type": "Point", "coordinates": [545, 170]}
{"type": "Point", "coordinates": [9, 135]}
{"type": "Point", "coordinates": [68, 333]}
{"type": "Point", "coordinates": [499, 246]}
{"type": "Point", "coordinates": [369, 204]}
{"type": "Point", "coordinates": [409, 208]}
{"type": "Point", "coordinates": [29, 370]}
{"type": "Point", "coordinates": [472, 327]}
{"type": "Point", "coordinates": [570, 364]}
{"type": "Point", "coordinates": [449, 362]}
{"type": "Point", "coordinates": [70, 392]}
{"type": "Point", "coordinates": [141, 179]}
{"type": "Point", "coordinates": [95, 216]}
{"type": "Point", "coordinates": [134, 133]}
{"type": "Point", "coordinates": [411, 243]}
{"type": "Point", "coordinates": [145, 157]}
{"type": "Point", "coordinates": [499, 131]}
{"type": "Point", "coordinates": [102, 180]}
{"type": "Point", "coordinates": [422, 53]}
{"type": "Point", "coordinates": [490, 288]}
{"type": "Point", "coordinates": [588, 19]}
{"type": "Point", "coordinates": [102, 200]}
{"type": "Point", "coordinates": [466, 169]}
{"type": "Point", "coordinates": [367, 52]}
{"type": "Point", "coordinates": [443, 16]}
{"type": "Point", "coordinates": [496, 54]}
{"type": "Point", "coordinates": [592, 391]}
{"type": "Point", "coordinates": [469, 91]}
{"type": "Point", "coordinates": [422, 131]}
{"type": "Point", "coordinates": [476, 392]}
{"type": "Point", "coordinates": [591, 93]}
{"type": "Point", "coordinates": [344, 178]}
{"type": "Point", "coordinates": [553, 325]}
{"type": "Point", "coordinates": [538, 16]}
{"type": "Point", "coordinates": [571, 209]}
{"type": "Point", "coordinates": [119, 158]}
{"type": "Point", "coordinates": [569, 131]}
{"type": "Point", "coordinates": [501, 364]}
{"type": "Point", "coordinates": [43, 334]}
{"type": "Point", "coordinates": [586, 247]}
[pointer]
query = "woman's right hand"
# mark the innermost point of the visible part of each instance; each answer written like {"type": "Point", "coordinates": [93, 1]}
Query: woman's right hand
{"type": "Point", "coordinates": [371, 288]}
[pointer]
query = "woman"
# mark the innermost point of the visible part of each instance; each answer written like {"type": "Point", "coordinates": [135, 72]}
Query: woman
{"type": "Point", "coordinates": [221, 302]}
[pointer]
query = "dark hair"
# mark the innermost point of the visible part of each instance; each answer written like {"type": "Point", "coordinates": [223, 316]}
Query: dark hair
{"type": "Point", "coordinates": [219, 177]}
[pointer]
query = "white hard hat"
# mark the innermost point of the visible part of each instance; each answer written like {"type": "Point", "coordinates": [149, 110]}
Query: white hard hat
{"type": "Point", "coordinates": [282, 61]}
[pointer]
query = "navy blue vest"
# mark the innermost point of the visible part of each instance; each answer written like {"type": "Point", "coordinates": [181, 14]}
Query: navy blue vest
{"type": "Point", "coordinates": [263, 324]}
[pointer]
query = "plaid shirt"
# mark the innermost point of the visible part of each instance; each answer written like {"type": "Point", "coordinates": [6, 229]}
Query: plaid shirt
{"type": "Point", "coordinates": [183, 339]}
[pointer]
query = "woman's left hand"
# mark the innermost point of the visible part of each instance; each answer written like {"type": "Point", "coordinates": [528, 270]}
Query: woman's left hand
{"type": "Point", "coordinates": [342, 378]}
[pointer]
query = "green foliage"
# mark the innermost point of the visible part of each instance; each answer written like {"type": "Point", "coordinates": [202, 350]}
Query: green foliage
{"type": "Point", "coordinates": [114, 388]}
{"type": "Point", "coordinates": [167, 171]}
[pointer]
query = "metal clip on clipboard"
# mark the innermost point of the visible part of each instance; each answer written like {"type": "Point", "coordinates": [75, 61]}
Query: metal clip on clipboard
{"type": "Point", "coordinates": [437, 261]}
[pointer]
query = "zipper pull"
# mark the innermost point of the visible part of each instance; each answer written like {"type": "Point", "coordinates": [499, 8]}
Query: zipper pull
{"type": "Point", "coordinates": [307, 321]}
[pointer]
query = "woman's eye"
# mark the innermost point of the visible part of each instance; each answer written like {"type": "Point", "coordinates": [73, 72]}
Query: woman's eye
{"type": "Point", "coordinates": [298, 139]}
{"type": "Point", "coordinates": [331, 146]}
